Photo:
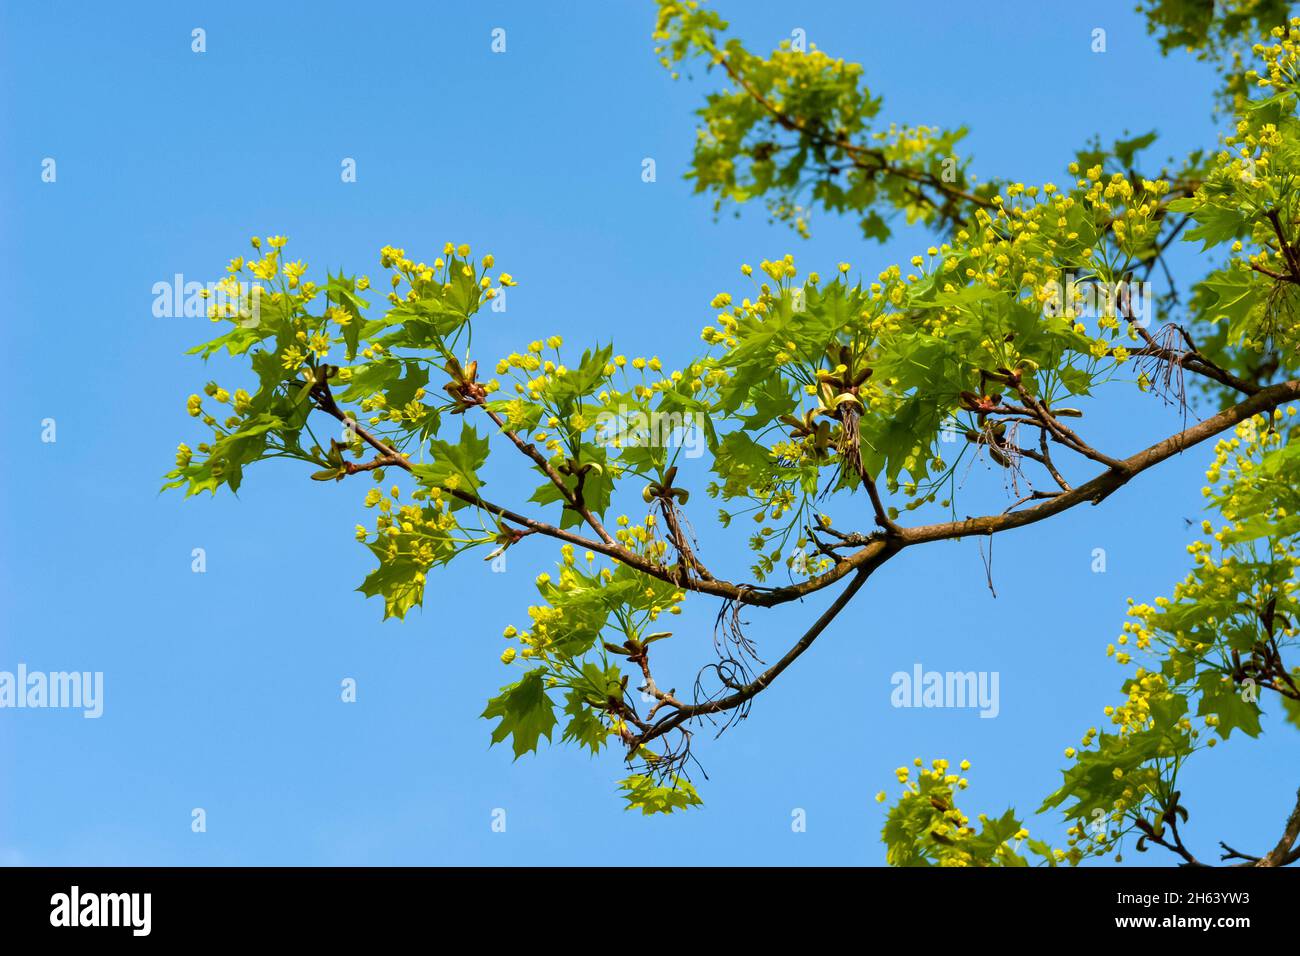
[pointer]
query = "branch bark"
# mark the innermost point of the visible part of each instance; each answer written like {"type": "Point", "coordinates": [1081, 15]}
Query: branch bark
{"type": "Point", "coordinates": [1283, 853]}
{"type": "Point", "coordinates": [1094, 491]}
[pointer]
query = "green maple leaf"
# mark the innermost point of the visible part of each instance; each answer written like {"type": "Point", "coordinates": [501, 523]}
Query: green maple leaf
{"type": "Point", "coordinates": [399, 581]}
{"type": "Point", "coordinates": [461, 460]}
{"type": "Point", "coordinates": [1237, 293]}
{"type": "Point", "coordinates": [526, 713]}
{"type": "Point", "coordinates": [584, 727]}
{"type": "Point", "coordinates": [1215, 223]}
{"type": "Point", "coordinates": [642, 793]}
{"type": "Point", "coordinates": [1224, 699]}
{"type": "Point", "coordinates": [1291, 708]}
{"type": "Point", "coordinates": [341, 290]}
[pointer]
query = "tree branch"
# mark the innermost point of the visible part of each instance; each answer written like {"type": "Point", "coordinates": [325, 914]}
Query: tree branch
{"type": "Point", "coordinates": [879, 549]}
{"type": "Point", "coordinates": [1282, 854]}
{"type": "Point", "coordinates": [765, 679]}
{"type": "Point", "coordinates": [574, 498]}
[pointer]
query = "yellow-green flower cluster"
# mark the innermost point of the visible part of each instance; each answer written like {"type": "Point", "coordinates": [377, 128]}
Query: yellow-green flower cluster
{"type": "Point", "coordinates": [926, 827]}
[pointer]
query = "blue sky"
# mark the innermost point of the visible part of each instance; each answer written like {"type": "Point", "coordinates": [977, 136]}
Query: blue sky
{"type": "Point", "coordinates": [222, 689]}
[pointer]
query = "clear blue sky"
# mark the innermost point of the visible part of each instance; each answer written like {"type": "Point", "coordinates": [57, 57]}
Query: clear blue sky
{"type": "Point", "coordinates": [222, 689]}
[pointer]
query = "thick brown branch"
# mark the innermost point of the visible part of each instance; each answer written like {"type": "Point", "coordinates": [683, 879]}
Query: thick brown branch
{"type": "Point", "coordinates": [1282, 854]}
{"type": "Point", "coordinates": [871, 553]}
{"type": "Point", "coordinates": [1103, 485]}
